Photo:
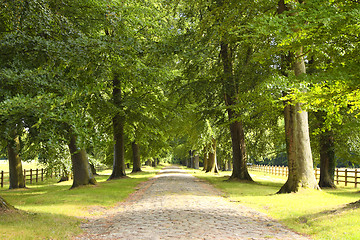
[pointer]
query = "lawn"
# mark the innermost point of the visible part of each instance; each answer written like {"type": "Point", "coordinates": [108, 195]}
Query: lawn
{"type": "Point", "coordinates": [319, 214]}
{"type": "Point", "coordinates": [49, 210]}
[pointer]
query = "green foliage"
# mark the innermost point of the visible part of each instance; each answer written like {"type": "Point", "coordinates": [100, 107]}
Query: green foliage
{"type": "Point", "coordinates": [58, 59]}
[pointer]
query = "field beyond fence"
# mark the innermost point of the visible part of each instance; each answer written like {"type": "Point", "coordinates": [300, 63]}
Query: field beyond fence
{"type": "Point", "coordinates": [30, 176]}
{"type": "Point", "coordinates": [342, 176]}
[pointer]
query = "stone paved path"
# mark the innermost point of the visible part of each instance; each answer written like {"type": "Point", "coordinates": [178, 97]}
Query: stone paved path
{"type": "Point", "coordinates": [176, 205]}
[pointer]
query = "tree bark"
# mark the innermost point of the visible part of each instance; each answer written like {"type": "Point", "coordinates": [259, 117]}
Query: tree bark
{"type": "Point", "coordinates": [15, 166]}
{"type": "Point", "coordinates": [327, 160]}
{"type": "Point", "coordinates": [136, 157]}
{"type": "Point", "coordinates": [228, 165]}
{"type": "Point", "coordinates": [327, 153]}
{"type": "Point", "coordinates": [303, 150]}
{"type": "Point", "coordinates": [301, 167]}
{"type": "Point", "coordinates": [188, 160]}
{"type": "Point", "coordinates": [290, 131]}
{"type": "Point", "coordinates": [240, 171]}
{"type": "Point", "coordinates": [118, 131]}
{"type": "Point", "coordinates": [212, 161]}
{"type": "Point", "coordinates": [80, 164]}
{"type": "Point", "coordinates": [206, 159]}
{"type": "Point", "coordinates": [196, 161]}
{"type": "Point", "coordinates": [192, 164]}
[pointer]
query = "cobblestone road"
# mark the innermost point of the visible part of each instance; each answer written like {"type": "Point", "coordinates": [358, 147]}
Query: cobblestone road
{"type": "Point", "coordinates": [176, 205]}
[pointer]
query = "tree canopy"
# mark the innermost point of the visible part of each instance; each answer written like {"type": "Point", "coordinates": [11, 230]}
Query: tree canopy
{"type": "Point", "coordinates": [177, 76]}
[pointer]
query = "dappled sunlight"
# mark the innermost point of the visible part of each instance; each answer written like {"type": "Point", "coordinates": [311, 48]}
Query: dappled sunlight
{"type": "Point", "coordinates": [267, 178]}
{"type": "Point", "coordinates": [64, 209]}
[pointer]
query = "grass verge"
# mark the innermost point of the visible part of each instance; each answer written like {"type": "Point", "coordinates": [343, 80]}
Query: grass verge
{"type": "Point", "coordinates": [49, 210]}
{"type": "Point", "coordinates": [319, 214]}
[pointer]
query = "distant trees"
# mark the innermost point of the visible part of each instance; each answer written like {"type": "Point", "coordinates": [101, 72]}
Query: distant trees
{"type": "Point", "coordinates": [256, 60]}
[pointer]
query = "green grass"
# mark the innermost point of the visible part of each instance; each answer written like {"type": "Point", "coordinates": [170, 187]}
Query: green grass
{"type": "Point", "coordinates": [49, 210]}
{"type": "Point", "coordinates": [320, 214]}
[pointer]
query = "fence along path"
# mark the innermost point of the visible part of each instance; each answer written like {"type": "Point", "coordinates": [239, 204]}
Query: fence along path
{"type": "Point", "coordinates": [31, 176]}
{"type": "Point", "coordinates": [341, 175]}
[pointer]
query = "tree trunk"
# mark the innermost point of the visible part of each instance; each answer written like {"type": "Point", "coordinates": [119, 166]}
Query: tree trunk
{"type": "Point", "coordinates": [290, 131]}
{"type": "Point", "coordinates": [15, 166]}
{"type": "Point", "coordinates": [136, 157]}
{"type": "Point", "coordinates": [327, 153]}
{"type": "Point", "coordinates": [192, 152]}
{"type": "Point", "coordinates": [93, 169]}
{"type": "Point", "coordinates": [80, 164]}
{"type": "Point", "coordinates": [4, 205]}
{"type": "Point", "coordinates": [301, 167]}
{"type": "Point", "coordinates": [228, 165]}
{"type": "Point", "coordinates": [327, 160]}
{"type": "Point", "coordinates": [301, 170]}
{"type": "Point", "coordinates": [196, 161]}
{"type": "Point", "coordinates": [212, 161]}
{"type": "Point", "coordinates": [240, 171]}
{"type": "Point", "coordinates": [206, 159]}
{"type": "Point", "coordinates": [188, 160]}
{"type": "Point", "coordinates": [303, 150]}
{"type": "Point", "coordinates": [118, 128]}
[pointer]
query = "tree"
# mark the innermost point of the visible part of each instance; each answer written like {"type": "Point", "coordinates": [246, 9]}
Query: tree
{"type": "Point", "coordinates": [50, 70]}
{"type": "Point", "coordinates": [118, 131]}
{"type": "Point", "coordinates": [81, 168]}
{"type": "Point", "coordinates": [212, 165]}
{"type": "Point", "coordinates": [136, 157]}
{"type": "Point", "coordinates": [236, 126]}
{"type": "Point", "coordinates": [15, 167]}
{"type": "Point", "coordinates": [327, 160]}
{"type": "Point", "coordinates": [300, 161]}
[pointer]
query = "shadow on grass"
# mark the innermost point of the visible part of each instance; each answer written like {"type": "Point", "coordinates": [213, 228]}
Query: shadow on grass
{"type": "Point", "coordinates": [20, 224]}
{"type": "Point", "coordinates": [243, 188]}
{"type": "Point", "coordinates": [52, 196]}
{"type": "Point", "coordinates": [343, 192]}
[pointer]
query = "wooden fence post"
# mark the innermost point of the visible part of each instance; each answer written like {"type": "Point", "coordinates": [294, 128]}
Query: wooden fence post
{"type": "Point", "coordinates": [356, 177]}
{"type": "Point", "coordinates": [25, 175]}
{"type": "Point", "coordinates": [31, 176]}
{"type": "Point", "coordinates": [37, 174]}
{"type": "Point", "coordinates": [346, 174]}
{"type": "Point", "coordinates": [337, 176]}
{"type": "Point", "coordinates": [42, 174]}
{"type": "Point", "coordinates": [2, 179]}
